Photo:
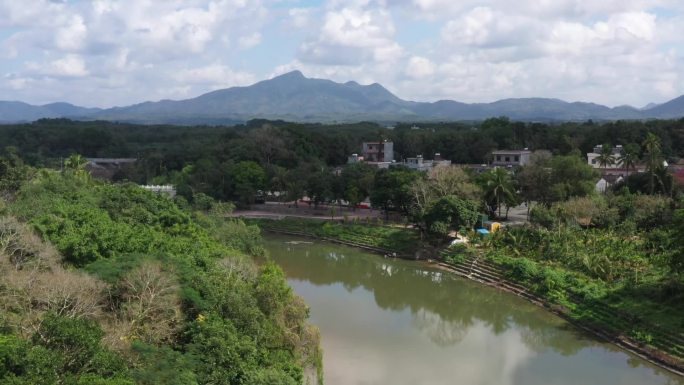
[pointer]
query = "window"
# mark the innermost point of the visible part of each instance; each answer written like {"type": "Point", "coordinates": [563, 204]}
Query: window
{"type": "Point", "coordinates": [517, 158]}
{"type": "Point", "coordinates": [508, 159]}
{"type": "Point", "coordinates": [498, 158]}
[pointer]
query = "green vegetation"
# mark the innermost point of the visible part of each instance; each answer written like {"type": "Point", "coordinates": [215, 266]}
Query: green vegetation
{"type": "Point", "coordinates": [605, 257]}
{"type": "Point", "coordinates": [298, 158]}
{"type": "Point", "coordinates": [389, 238]}
{"type": "Point", "coordinates": [137, 290]}
{"type": "Point", "coordinates": [613, 262]}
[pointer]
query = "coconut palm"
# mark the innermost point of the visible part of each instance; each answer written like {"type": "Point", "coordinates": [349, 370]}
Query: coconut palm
{"type": "Point", "coordinates": [629, 157]}
{"type": "Point", "coordinates": [75, 162]}
{"type": "Point", "coordinates": [498, 187]}
{"type": "Point", "coordinates": [654, 159]}
{"type": "Point", "coordinates": [75, 165]}
{"type": "Point", "coordinates": [606, 157]}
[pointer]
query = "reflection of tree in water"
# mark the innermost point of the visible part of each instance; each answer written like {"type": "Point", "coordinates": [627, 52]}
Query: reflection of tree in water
{"type": "Point", "coordinates": [443, 306]}
{"type": "Point", "coordinates": [442, 332]}
{"type": "Point", "coordinates": [565, 342]}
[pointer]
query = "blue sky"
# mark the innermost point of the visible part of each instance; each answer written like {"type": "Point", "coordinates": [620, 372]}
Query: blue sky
{"type": "Point", "coordinates": [105, 53]}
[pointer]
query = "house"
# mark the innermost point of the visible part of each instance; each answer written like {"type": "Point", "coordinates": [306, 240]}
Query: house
{"type": "Point", "coordinates": [167, 190]}
{"type": "Point", "coordinates": [592, 157]}
{"type": "Point", "coordinates": [677, 171]}
{"type": "Point", "coordinates": [378, 151]}
{"type": "Point", "coordinates": [608, 181]}
{"type": "Point", "coordinates": [417, 163]}
{"type": "Point", "coordinates": [511, 158]}
{"type": "Point", "coordinates": [107, 168]}
{"type": "Point", "coordinates": [420, 164]}
{"type": "Point", "coordinates": [354, 158]}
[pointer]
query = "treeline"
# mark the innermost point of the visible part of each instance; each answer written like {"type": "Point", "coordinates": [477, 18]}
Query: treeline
{"type": "Point", "coordinates": [113, 285]}
{"type": "Point", "coordinates": [207, 159]}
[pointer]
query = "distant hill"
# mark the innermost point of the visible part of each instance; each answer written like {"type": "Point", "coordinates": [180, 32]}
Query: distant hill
{"type": "Point", "coordinates": [23, 112]}
{"type": "Point", "coordinates": [670, 110]}
{"type": "Point", "coordinates": [294, 97]}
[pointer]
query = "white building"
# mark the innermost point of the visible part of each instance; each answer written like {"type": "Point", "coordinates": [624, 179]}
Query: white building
{"type": "Point", "coordinates": [420, 164]}
{"type": "Point", "coordinates": [592, 157]}
{"type": "Point", "coordinates": [167, 190]}
{"type": "Point", "coordinates": [511, 158]}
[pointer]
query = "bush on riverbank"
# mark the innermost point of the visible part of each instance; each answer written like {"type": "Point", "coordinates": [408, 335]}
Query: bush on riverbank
{"type": "Point", "coordinates": [166, 299]}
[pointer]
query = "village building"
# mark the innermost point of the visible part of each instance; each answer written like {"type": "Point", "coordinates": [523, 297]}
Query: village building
{"type": "Point", "coordinates": [511, 158]}
{"type": "Point", "coordinates": [378, 151]}
{"type": "Point", "coordinates": [107, 168]}
{"type": "Point", "coordinates": [592, 157]}
{"type": "Point", "coordinates": [420, 164]}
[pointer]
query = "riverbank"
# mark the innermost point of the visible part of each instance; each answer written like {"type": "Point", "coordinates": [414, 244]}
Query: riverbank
{"type": "Point", "coordinates": [397, 241]}
{"type": "Point", "coordinates": [638, 335]}
{"type": "Point", "coordinates": [601, 323]}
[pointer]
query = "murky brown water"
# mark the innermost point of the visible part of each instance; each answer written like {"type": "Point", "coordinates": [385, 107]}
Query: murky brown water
{"type": "Point", "coordinates": [400, 322]}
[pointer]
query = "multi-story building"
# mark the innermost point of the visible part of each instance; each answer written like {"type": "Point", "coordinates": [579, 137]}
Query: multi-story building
{"type": "Point", "coordinates": [511, 158]}
{"type": "Point", "coordinates": [378, 151]}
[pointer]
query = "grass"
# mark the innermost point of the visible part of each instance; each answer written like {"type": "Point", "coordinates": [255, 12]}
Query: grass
{"type": "Point", "coordinates": [401, 240]}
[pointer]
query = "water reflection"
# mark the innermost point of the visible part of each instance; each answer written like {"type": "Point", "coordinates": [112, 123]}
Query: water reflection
{"type": "Point", "coordinates": [399, 322]}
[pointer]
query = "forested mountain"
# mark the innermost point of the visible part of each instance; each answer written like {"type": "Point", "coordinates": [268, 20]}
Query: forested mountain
{"type": "Point", "coordinates": [294, 97]}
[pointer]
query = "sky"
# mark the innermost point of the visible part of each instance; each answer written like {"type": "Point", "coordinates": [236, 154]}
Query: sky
{"type": "Point", "coordinates": [105, 53]}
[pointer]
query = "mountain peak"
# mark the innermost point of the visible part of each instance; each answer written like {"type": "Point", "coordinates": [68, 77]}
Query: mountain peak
{"type": "Point", "coordinates": [296, 74]}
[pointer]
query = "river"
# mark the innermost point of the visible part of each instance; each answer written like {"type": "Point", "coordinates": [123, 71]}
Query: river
{"type": "Point", "coordinates": [396, 322]}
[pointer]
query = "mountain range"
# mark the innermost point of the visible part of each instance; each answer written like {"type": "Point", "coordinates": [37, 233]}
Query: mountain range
{"type": "Point", "coordinates": [294, 97]}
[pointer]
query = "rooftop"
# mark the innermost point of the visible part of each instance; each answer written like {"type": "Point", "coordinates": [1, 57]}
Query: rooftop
{"type": "Point", "coordinates": [511, 152]}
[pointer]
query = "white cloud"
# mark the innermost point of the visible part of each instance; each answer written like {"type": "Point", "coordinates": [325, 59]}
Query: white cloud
{"type": "Point", "coordinates": [300, 17]}
{"type": "Point", "coordinates": [215, 76]}
{"type": "Point", "coordinates": [72, 35]}
{"type": "Point", "coordinates": [419, 67]}
{"type": "Point", "coordinates": [106, 52]}
{"type": "Point", "coordinates": [250, 41]}
{"type": "Point", "coordinates": [351, 36]}
{"type": "Point", "coordinates": [68, 66]}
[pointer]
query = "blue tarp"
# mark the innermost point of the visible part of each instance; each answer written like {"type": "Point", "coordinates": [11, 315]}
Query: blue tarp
{"type": "Point", "coordinates": [483, 231]}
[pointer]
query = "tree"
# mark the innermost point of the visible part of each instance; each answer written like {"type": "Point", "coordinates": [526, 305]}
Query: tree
{"type": "Point", "coordinates": [571, 176]}
{"type": "Point", "coordinates": [247, 178]}
{"type": "Point", "coordinates": [278, 181]}
{"type": "Point", "coordinates": [605, 157]}
{"type": "Point", "coordinates": [629, 157]}
{"type": "Point", "coordinates": [534, 180]}
{"type": "Point", "coordinates": [392, 189]}
{"type": "Point", "coordinates": [677, 258]}
{"type": "Point", "coordinates": [498, 188]}
{"type": "Point", "coordinates": [13, 171]}
{"type": "Point", "coordinates": [319, 184]}
{"type": "Point", "coordinates": [75, 162]}
{"type": "Point", "coordinates": [441, 182]}
{"type": "Point", "coordinates": [450, 212]}
{"type": "Point", "coordinates": [654, 158]}
{"type": "Point", "coordinates": [357, 182]}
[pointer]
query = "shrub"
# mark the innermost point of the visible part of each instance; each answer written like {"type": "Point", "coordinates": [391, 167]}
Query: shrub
{"type": "Point", "coordinates": [523, 269]}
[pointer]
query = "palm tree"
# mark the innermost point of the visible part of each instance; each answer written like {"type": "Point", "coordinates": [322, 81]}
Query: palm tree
{"type": "Point", "coordinates": [75, 162]}
{"type": "Point", "coordinates": [75, 165]}
{"type": "Point", "coordinates": [606, 157]}
{"type": "Point", "coordinates": [629, 156]}
{"type": "Point", "coordinates": [653, 157]}
{"type": "Point", "coordinates": [498, 186]}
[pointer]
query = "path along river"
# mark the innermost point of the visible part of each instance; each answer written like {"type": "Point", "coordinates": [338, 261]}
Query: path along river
{"type": "Point", "coordinates": [396, 322]}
